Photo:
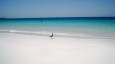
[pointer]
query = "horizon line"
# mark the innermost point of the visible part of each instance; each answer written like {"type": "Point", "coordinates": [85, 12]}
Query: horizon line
{"type": "Point", "coordinates": [2, 18]}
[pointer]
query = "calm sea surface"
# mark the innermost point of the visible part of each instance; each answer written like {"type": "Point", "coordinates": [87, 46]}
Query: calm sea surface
{"type": "Point", "coordinates": [98, 28]}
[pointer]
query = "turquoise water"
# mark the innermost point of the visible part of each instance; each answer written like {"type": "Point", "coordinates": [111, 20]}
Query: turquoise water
{"type": "Point", "coordinates": [62, 27]}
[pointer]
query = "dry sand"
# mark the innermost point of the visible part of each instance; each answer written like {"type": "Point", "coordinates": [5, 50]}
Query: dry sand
{"type": "Point", "coordinates": [31, 49]}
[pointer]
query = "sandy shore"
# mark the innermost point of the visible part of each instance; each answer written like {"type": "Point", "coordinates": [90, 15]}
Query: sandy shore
{"type": "Point", "coordinates": [31, 49]}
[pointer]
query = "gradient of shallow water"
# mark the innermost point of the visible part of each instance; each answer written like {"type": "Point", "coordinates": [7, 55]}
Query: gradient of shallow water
{"type": "Point", "coordinates": [82, 28]}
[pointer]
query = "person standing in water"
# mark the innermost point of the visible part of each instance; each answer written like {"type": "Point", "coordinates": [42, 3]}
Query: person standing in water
{"type": "Point", "coordinates": [41, 20]}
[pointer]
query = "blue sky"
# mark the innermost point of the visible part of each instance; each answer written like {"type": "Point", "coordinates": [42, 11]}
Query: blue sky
{"type": "Point", "coordinates": [56, 8]}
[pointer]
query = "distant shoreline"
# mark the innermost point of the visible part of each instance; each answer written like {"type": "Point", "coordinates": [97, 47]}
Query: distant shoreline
{"type": "Point", "coordinates": [59, 18]}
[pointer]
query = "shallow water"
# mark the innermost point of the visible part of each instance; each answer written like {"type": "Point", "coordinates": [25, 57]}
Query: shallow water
{"type": "Point", "coordinates": [62, 27]}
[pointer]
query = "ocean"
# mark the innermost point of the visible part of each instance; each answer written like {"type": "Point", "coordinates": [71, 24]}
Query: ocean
{"type": "Point", "coordinates": [61, 27]}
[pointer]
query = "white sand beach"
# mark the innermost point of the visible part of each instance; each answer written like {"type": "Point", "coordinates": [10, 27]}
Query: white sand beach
{"type": "Point", "coordinates": [31, 49]}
